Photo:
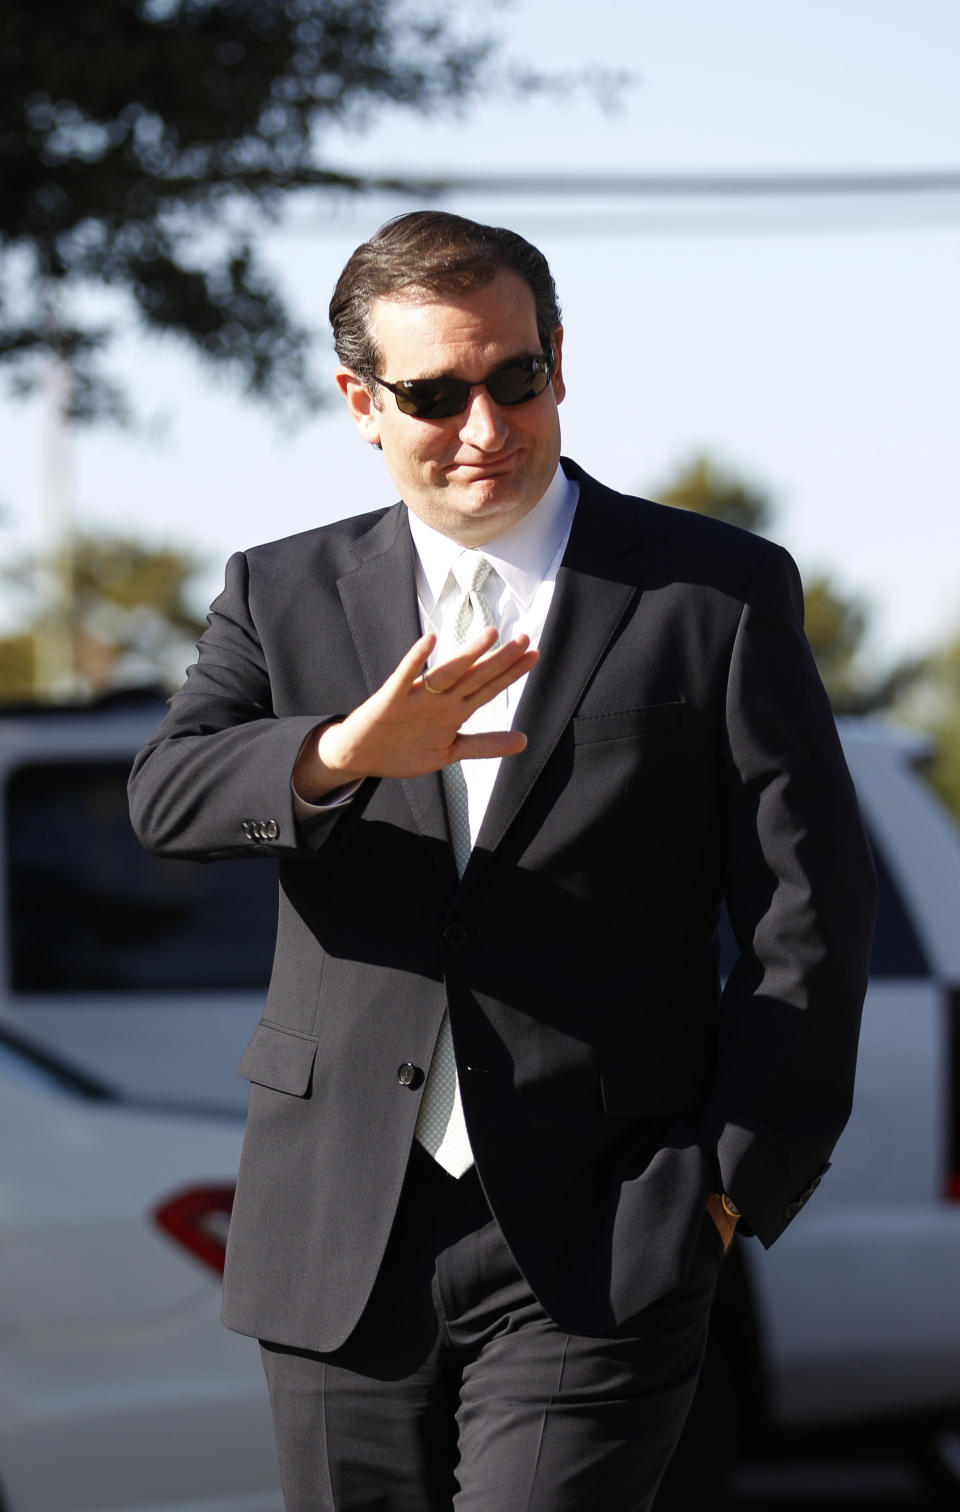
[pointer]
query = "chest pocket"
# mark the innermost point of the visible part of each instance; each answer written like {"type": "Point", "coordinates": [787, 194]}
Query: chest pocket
{"type": "Point", "coordinates": [627, 724]}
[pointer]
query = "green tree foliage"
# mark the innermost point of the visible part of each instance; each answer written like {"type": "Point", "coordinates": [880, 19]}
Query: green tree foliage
{"type": "Point", "coordinates": [706, 488]}
{"type": "Point", "coordinates": [940, 692]}
{"type": "Point", "coordinates": [17, 666]}
{"type": "Point", "coordinates": [835, 624]}
{"type": "Point", "coordinates": [125, 616]}
{"type": "Point", "coordinates": [142, 141]}
{"type": "Point", "coordinates": [116, 576]}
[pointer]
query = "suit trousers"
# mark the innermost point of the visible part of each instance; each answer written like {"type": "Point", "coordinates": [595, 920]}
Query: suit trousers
{"type": "Point", "coordinates": [457, 1391]}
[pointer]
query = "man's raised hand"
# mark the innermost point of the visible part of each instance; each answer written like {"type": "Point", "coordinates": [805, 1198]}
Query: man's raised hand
{"type": "Point", "coordinates": [409, 727]}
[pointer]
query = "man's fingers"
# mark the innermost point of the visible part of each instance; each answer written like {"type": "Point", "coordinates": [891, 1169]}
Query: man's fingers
{"type": "Point", "coordinates": [446, 675]}
{"type": "Point", "coordinates": [483, 692]}
{"type": "Point", "coordinates": [489, 743]}
{"type": "Point", "coordinates": [410, 668]}
{"type": "Point", "coordinates": [480, 663]}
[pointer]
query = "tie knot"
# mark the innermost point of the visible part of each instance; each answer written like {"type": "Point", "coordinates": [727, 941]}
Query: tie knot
{"type": "Point", "coordinates": [471, 571]}
{"type": "Point", "coordinates": [473, 612]}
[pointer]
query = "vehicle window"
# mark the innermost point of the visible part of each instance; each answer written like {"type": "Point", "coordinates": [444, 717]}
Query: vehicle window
{"type": "Point", "coordinates": [90, 911]}
{"type": "Point", "coordinates": [897, 951]}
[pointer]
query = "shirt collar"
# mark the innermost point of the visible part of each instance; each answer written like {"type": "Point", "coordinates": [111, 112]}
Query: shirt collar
{"type": "Point", "coordinates": [522, 555]}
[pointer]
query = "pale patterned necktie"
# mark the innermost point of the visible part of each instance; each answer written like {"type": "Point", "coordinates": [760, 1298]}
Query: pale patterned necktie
{"type": "Point", "coordinates": [441, 1127]}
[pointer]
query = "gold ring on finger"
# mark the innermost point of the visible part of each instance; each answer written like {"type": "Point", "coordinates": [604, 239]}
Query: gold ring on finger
{"type": "Point", "coordinates": [423, 679]}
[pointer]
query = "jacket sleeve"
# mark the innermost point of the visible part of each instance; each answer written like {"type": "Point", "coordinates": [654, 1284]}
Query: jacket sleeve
{"type": "Point", "coordinates": [801, 893]}
{"type": "Point", "coordinates": [215, 779]}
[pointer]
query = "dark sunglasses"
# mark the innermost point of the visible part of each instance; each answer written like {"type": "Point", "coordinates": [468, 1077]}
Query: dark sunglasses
{"type": "Point", "coordinates": [438, 398]}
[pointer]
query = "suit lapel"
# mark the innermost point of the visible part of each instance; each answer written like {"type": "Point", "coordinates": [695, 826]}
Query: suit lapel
{"type": "Point", "coordinates": [379, 599]}
{"type": "Point", "coordinates": [596, 584]}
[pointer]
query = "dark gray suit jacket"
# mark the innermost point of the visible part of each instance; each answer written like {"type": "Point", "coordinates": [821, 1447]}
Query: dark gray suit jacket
{"type": "Point", "coordinates": [681, 752]}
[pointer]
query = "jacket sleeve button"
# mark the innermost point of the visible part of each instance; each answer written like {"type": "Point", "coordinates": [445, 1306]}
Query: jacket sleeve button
{"type": "Point", "coordinates": [272, 829]}
{"type": "Point", "coordinates": [409, 1075]}
{"type": "Point", "coordinates": [454, 934]}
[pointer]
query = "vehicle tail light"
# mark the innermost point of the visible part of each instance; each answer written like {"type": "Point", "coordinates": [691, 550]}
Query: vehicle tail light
{"type": "Point", "coordinates": [198, 1219]}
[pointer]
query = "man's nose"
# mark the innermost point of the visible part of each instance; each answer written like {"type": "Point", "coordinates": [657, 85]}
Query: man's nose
{"type": "Point", "coordinates": [484, 424]}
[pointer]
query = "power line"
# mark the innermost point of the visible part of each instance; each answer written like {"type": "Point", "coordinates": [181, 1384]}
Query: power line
{"type": "Point", "coordinates": [677, 185]}
{"type": "Point", "coordinates": [601, 205]}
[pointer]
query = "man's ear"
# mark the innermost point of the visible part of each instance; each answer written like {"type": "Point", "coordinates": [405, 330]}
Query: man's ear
{"type": "Point", "coordinates": [559, 387]}
{"type": "Point", "coordinates": [360, 405]}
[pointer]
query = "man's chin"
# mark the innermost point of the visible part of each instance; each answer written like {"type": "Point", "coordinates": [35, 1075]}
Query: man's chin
{"type": "Point", "coordinates": [473, 512]}
{"type": "Point", "coordinates": [491, 506]}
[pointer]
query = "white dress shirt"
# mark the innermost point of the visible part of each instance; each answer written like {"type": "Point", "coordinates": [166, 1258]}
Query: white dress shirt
{"type": "Point", "coordinates": [526, 559]}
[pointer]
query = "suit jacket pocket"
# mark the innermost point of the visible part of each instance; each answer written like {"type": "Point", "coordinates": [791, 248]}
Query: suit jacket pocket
{"type": "Point", "coordinates": [653, 1087]}
{"type": "Point", "coordinates": [278, 1059]}
{"type": "Point", "coordinates": [623, 724]}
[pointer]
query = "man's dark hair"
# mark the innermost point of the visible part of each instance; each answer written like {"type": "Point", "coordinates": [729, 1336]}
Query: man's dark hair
{"type": "Point", "coordinates": [440, 254]}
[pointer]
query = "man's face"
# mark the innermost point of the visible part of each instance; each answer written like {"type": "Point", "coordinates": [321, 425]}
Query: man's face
{"type": "Point", "coordinates": [475, 474]}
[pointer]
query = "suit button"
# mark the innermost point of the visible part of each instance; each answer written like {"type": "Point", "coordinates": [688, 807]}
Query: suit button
{"type": "Point", "coordinates": [249, 830]}
{"type": "Point", "coordinates": [409, 1075]}
{"type": "Point", "coordinates": [454, 934]}
{"type": "Point", "coordinates": [272, 829]}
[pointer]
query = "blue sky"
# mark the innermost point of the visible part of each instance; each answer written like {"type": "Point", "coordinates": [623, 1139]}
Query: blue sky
{"type": "Point", "coordinates": [812, 349]}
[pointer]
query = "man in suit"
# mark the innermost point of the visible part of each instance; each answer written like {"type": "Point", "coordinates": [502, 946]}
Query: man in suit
{"type": "Point", "coordinates": [513, 742]}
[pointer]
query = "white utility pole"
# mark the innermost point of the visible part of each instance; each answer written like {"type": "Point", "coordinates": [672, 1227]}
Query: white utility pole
{"type": "Point", "coordinates": [54, 670]}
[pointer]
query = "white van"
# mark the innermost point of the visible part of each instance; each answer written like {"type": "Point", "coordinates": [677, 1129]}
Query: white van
{"type": "Point", "coordinates": [128, 988]}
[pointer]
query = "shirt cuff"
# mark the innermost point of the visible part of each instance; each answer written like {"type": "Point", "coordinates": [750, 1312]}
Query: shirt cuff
{"type": "Point", "coordinates": [337, 798]}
